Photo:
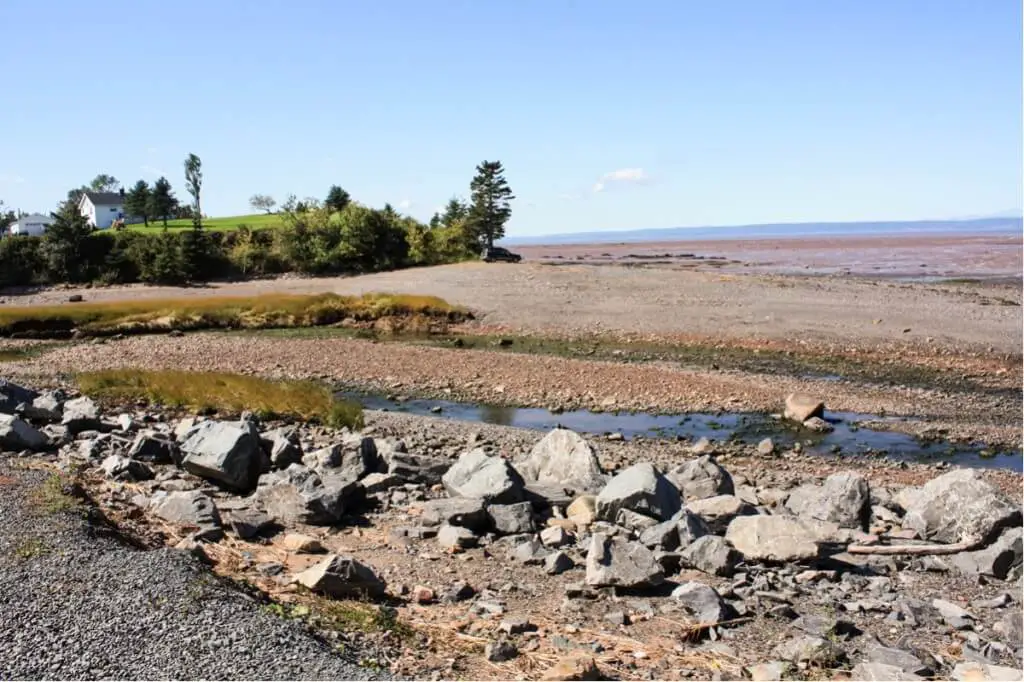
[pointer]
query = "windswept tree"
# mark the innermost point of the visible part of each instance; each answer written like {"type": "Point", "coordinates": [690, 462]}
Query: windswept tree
{"type": "Point", "coordinates": [337, 199]}
{"type": "Point", "coordinates": [490, 208]}
{"type": "Point", "coordinates": [162, 202]}
{"type": "Point", "coordinates": [194, 184]}
{"type": "Point", "coordinates": [104, 183]}
{"type": "Point", "coordinates": [137, 201]}
{"type": "Point", "coordinates": [262, 202]}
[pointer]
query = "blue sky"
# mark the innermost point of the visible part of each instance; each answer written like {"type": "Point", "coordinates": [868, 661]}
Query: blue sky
{"type": "Point", "coordinates": [607, 114]}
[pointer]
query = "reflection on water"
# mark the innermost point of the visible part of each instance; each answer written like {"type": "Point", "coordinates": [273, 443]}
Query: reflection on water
{"type": "Point", "coordinates": [496, 414]}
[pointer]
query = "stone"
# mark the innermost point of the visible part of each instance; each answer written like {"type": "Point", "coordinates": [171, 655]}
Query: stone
{"type": "Point", "coordinates": [640, 488]}
{"type": "Point", "coordinates": [299, 495]}
{"type": "Point", "coordinates": [417, 468]}
{"type": "Point", "coordinates": [773, 538]}
{"type": "Point", "coordinates": [16, 435]}
{"type": "Point", "coordinates": [149, 447]}
{"type": "Point", "coordinates": [378, 482]}
{"type": "Point", "coordinates": [970, 671]}
{"type": "Point", "coordinates": [500, 651]}
{"type": "Point", "coordinates": [478, 475]}
{"type": "Point", "coordinates": [557, 563]}
{"type": "Point", "coordinates": [701, 478]}
{"type": "Point", "coordinates": [818, 425]}
{"type": "Point", "coordinates": [898, 658]}
{"type": "Point", "coordinates": [955, 616]}
{"type": "Point", "coordinates": [613, 561]}
{"type": "Point", "coordinates": [800, 407]}
{"type": "Point", "coordinates": [768, 672]}
{"type": "Point", "coordinates": [530, 551]}
{"type": "Point", "coordinates": [807, 650]}
{"type": "Point", "coordinates": [583, 510]}
{"type": "Point", "coordinates": [711, 554]}
{"type": "Point", "coordinates": [512, 519]}
{"type": "Point", "coordinates": [81, 414]}
{"type": "Point", "coordinates": [516, 626]}
{"type": "Point", "coordinates": [702, 602]}
{"type": "Point", "coordinates": [300, 543]}
{"type": "Point", "coordinates": [190, 508]}
{"type": "Point", "coordinates": [717, 512]}
{"type": "Point", "coordinates": [351, 459]}
{"type": "Point", "coordinates": [766, 447]}
{"type": "Point", "coordinates": [960, 505]}
{"type": "Point", "coordinates": [457, 511]}
{"type": "Point", "coordinates": [881, 672]}
{"type": "Point", "coordinates": [573, 668]}
{"type": "Point", "coordinates": [555, 536]}
{"type": "Point", "coordinates": [565, 459]}
{"type": "Point", "coordinates": [635, 521]}
{"type": "Point", "coordinates": [459, 591]}
{"type": "Point", "coordinates": [421, 595]}
{"type": "Point", "coordinates": [455, 538]}
{"type": "Point", "coordinates": [342, 577]}
{"type": "Point", "coordinates": [247, 523]}
{"type": "Point", "coordinates": [48, 406]}
{"type": "Point", "coordinates": [844, 498]}
{"type": "Point", "coordinates": [12, 395]}
{"type": "Point", "coordinates": [125, 469]}
{"type": "Point", "coordinates": [997, 560]}
{"type": "Point", "coordinates": [689, 527]}
{"type": "Point", "coordinates": [282, 446]}
{"type": "Point", "coordinates": [225, 452]}
{"type": "Point", "coordinates": [664, 535]}
{"type": "Point", "coordinates": [1009, 628]}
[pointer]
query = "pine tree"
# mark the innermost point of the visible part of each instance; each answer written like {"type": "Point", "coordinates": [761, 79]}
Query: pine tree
{"type": "Point", "coordinates": [490, 209]}
{"type": "Point", "coordinates": [162, 202]}
{"type": "Point", "coordinates": [337, 199]}
{"type": "Point", "coordinates": [64, 244]}
{"type": "Point", "coordinates": [136, 202]}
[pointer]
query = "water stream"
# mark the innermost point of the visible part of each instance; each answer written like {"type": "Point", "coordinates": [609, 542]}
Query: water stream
{"type": "Point", "coordinates": [847, 437]}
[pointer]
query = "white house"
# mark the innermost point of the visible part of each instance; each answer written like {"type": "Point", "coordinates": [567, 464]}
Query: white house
{"type": "Point", "coordinates": [102, 208]}
{"type": "Point", "coordinates": [33, 224]}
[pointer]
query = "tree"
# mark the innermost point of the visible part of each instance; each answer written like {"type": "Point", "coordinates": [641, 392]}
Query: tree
{"type": "Point", "coordinates": [64, 242]}
{"type": "Point", "coordinates": [137, 201]}
{"type": "Point", "coordinates": [194, 183]}
{"type": "Point", "coordinates": [7, 217]}
{"type": "Point", "coordinates": [490, 209]}
{"type": "Point", "coordinates": [337, 199]}
{"type": "Point", "coordinates": [262, 202]}
{"type": "Point", "coordinates": [162, 202]}
{"type": "Point", "coordinates": [455, 211]}
{"type": "Point", "coordinates": [104, 183]}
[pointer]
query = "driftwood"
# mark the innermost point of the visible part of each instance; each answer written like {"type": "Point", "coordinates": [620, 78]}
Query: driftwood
{"type": "Point", "coordinates": [918, 550]}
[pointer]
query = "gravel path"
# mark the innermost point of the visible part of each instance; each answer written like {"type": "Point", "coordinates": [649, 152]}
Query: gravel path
{"type": "Point", "coordinates": [76, 605]}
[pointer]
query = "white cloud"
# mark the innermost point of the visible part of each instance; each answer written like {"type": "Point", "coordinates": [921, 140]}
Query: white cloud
{"type": "Point", "coordinates": [622, 176]}
{"type": "Point", "coordinates": [405, 204]}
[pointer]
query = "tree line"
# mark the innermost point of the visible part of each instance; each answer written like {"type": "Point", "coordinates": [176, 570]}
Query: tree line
{"type": "Point", "coordinates": [318, 237]}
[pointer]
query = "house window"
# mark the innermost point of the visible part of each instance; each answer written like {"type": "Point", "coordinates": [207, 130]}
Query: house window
{"type": "Point", "coordinates": [113, 210]}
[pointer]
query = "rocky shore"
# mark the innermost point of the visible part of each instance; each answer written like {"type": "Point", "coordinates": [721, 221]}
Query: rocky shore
{"type": "Point", "coordinates": [437, 550]}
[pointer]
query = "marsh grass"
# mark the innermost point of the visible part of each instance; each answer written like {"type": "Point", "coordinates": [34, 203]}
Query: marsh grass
{"type": "Point", "coordinates": [221, 312]}
{"type": "Point", "coordinates": [224, 393]}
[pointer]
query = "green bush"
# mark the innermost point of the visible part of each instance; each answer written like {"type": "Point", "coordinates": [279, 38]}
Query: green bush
{"type": "Point", "coordinates": [21, 261]}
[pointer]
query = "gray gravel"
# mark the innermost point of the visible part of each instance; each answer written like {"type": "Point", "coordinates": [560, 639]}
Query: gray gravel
{"type": "Point", "coordinates": [75, 604]}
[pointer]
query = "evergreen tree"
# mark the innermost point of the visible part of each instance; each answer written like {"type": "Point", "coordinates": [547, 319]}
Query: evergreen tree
{"type": "Point", "coordinates": [455, 211]}
{"type": "Point", "coordinates": [162, 202]}
{"type": "Point", "coordinates": [137, 201]}
{"type": "Point", "coordinates": [337, 199]}
{"type": "Point", "coordinates": [490, 209]}
{"type": "Point", "coordinates": [194, 183]}
{"type": "Point", "coordinates": [64, 242]}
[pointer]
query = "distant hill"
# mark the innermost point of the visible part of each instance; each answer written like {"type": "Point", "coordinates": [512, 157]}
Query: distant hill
{"type": "Point", "coordinates": [1007, 225]}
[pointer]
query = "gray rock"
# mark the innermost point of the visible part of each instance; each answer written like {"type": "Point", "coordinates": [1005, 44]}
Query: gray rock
{"type": "Point", "coordinates": [299, 495]}
{"type": "Point", "coordinates": [800, 407]}
{"type": "Point", "coordinates": [16, 434]}
{"type": "Point", "coordinates": [282, 446]}
{"type": "Point", "coordinates": [897, 658]}
{"type": "Point", "coordinates": [766, 447]}
{"type": "Point", "coordinates": [558, 562]}
{"type": "Point", "coordinates": [500, 651]}
{"type": "Point", "coordinates": [690, 527]}
{"type": "Point", "coordinates": [125, 469]}
{"type": "Point", "coordinates": [156, 449]}
{"type": "Point", "coordinates": [640, 488]}
{"type": "Point", "coordinates": [458, 511]}
{"type": "Point", "coordinates": [844, 498]}
{"type": "Point", "coordinates": [417, 468]}
{"type": "Point", "coordinates": [711, 554]}
{"type": "Point", "coordinates": [997, 560]}
{"type": "Point", "coordinates": [769, 672]}
{"type": "Point", "coordinates": [635, 521]}
{"type": "Point", "coordinates": [818, 425]}
{"type": "Point", "coordinates": [664, 535]}
{"type": "Point", "coordinates": [516, 626]}
{"type": "Point", "coordinates": [12, 395]}
{"type": "Point", "coordinates": [342, 577]}
{"type": "Point", "coordinates": [555, 536]}
{"type": "Point", "coordinates": [48, 406]}
{"type": "Point", "coordinates": [1009, 628]}
{"type": "Point", "coordinates": [881, 672]}
{"type": "Point", "coordinates": [807, 650]}
{"type": "Point", "coordinates": [530, 551]}
{"type": "Point", "coordinates": [701, 478]}
{"type": "Point", "coordinates": [81, 414]}
{"type": "Point", "coordinates": [717, 512]}
{"type": "Point", "coordinates": [247, 523]}
{"type": "Point", "coordinates": [456, 537]}
{"type": "Point", "coordinates": [512, 519]}
{"type": "Point", "coordinates": [613, 561]}
{"type": "Point", "coordinates": [352, 459]}
{"type": "Point", "coordinates": [478, 475]}
{"type": "Point", "coordinates": [955, 616]}
{"type": "Point", "coordinates": [378, 482]}
{"type": "Point", "coordinates": [970, 671]}
{"type": "Point", "coordinates": [565, 459]}
{"type": "Point", "coordinates": [191, 508]}
{"type": "Point", "coordinates": [228, 453]}
{"type": "Point", "coordinates": [459, 591]}
{"type": "Point", "coordinates": [702, 601]}
{"type": "Point", "coordinates": [773, 538]}
{"type": "Point", "coordinates": [960, 505]}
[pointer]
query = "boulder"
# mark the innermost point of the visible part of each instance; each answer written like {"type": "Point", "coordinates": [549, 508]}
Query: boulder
{"type": "Point", "coordinates": [457, 511]}
{"type": "Point", "coordinates": [800, 407]}
{"type": "Point", "coordinates": [352, 459]}
{"type": "Point", "coordinates": [772, 671]}
{"type": "Point", "coordinates": [689, 527]}
{"type": "Point", "coordinates": [563, 458]}
{"type": "Point", "coordinates": [81, 414]}
{"type": "Point", "coordinates": [301, 544]}
{"type": "Point", "coordinates": [156, 449]}
{"type": "Point", "coordinates": [12, 395]}
{"type": "Point", "coordinates": [579, 667]}
{"type": "Point", "coordinates": [342, 577]}
{"type": "Point", "coordinates": [881, 672]}
{"type": "Point", "coordinates": [125, 469]}
{"type": "Point", "coordinates": [717, 512]}
{"type": "Point", "coordinates": [997, 560]}
{"type": "Point", "coordinates": [807, 650]}
{"type": "Point", "coordinates": [702, 602]}
{"type": "Point", "coordinates": [478, 475]}
{"type": "Point", "coordinates": [701, 478]}
{"type": "Point", "coordinates": [16, 434]}
{"type": "Point", "coordinates": [417, 468]}
{"type": "Point", "coordinates": [957, 506]}
{"type": "Point", "coordinates": [282, 446]}
{"type": "Point", "coordinates": [773, 538]}
{"type": "Point", "coordinates": [613, 561]}
{"type": "Point", "coordinates": [1010, 628]}
{"type": "Point", "coordinates": [711, 554]}
{"type": "Point", "coordinates": [971, 671]}
{"type": "Point", "coordinates": [190, 508]}
{"type": "Point", "coordinates": [583, 510]}
{"type": "Point", "coordinates": [954, 615]}
{"type": "Point", "coordinates": [557, 563]}
{"type": "Point", "coordinates": [246, 523]}
{"type": "Point", "coordinates": [530, 551]}
{"type": "Point", "coordinates": [46, 407]}
{"type": "Point", "coordinates": [555, 536]}
{"type": "Point", "coordinates": [766, 447]}
{"type": "Point", "coordinates": [844, 498]}
{"type": "Point", "coordinates": [456, 537]}
{"type": "Point", "coordinates": [635, 521]}
{"type": "Point", "coordinates": [300, 495]}
{"type": "Point", "coordinates": [378, 482]}
{"type": "Point", "coordinates": [664, 535]}
{"type": "Point", "coordinates": [640, 488]}
{"type": "Point", "coordinates": [225, 452]}
{"type": "Point", "coordinates": [512, 519]}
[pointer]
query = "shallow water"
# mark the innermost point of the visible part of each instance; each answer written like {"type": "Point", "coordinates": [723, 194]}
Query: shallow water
{"type": "Point", "coordinates": [848, 437]}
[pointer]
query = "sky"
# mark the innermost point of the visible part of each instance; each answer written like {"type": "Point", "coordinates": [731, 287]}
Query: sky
{"type": "Point", "coordinates": [607, 114]}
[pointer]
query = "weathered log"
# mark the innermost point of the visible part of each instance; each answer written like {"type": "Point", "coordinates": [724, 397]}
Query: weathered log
{"type": "Point", "coordinates": [918, 550]}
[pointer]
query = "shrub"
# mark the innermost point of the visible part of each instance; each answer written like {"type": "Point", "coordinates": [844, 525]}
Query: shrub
{"type": "Point", "coordinates": [21, 261]}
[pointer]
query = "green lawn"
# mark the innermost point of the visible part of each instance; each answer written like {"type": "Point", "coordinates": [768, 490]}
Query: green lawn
{"type": "Point", "coordinates": [256, 221]}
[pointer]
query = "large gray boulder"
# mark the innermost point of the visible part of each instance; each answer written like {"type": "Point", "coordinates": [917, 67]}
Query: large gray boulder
{"type": "Point", "coordinates": [641, 488]}
{"type": "Point", "coordinates": [718, 511]}
{"type": "Point", "coordinates": [417, 468]}
{"type": "Point", "coordinates": [190, 508]}
{"type": "Point", "coordinates": [226, 452]}
{"type": "Point", "coordinates": [711, 554]}
{"type": "Point", "coordinates": [81, 414]}
{"type": "Point", "coordinates": [353, 458]}
{"type": "Point", "coordinates": [16, 434]}
{"type": "Point", "coordinates": [12, 395]}
{"type": "Point", "coordinates": [843, 498]}
{"type": "Point", "coordinates": [960, 505]}
{"type": "Point", "coordinates": [478, 475]}
{"type": "Point", "coordinates": [997, 560]}
{"type": "Point", "coordinates": [702, 602]}
{"type": "Point", "coordinates": [512, 519]}
{"type": "Point", "coordinates": [467, 512]}
{"type": "Point", "coordinates": [155, 448]}
{"type": "Point", "coordinates": [282, 446]}
{"type": "Point", "coordinates": [702, 477]}
{"type": "Point", "coordinates": [565, 459]}
{"type": "Point", "coordinates": [125, 469]}
{"type": "Point", "coordinates": [342, 577]}
{"type": "Point", "coordinates": [614, 561]}
{"type": "Point", "coordinates": [800, 407]}
{"type": "Point", "coordinates": [300, 495]}
{"type": "Point", "coordinates": [48, 406]}
{"type": "Point", "coordinates": [773, 538]}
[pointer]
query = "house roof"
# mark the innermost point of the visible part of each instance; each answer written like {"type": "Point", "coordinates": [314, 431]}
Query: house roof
{"type": "Point", "coordinates": [33, 218]}
{"type": "Point", "coordinates": [104, 198]}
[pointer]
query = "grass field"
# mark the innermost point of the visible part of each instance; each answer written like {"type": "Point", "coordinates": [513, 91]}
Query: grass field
{"type": "Point", "coordinates": [256, 221]}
